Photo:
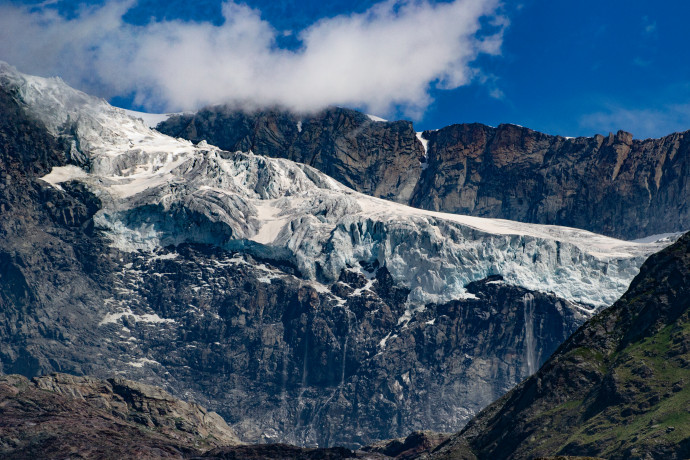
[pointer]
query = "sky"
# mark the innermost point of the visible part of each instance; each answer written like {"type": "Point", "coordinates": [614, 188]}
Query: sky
{"type": "Point", "coordinates": [574, 68]}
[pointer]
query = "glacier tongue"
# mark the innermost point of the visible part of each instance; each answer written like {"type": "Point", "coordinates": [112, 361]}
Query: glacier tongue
{"type": "Point", "coordinates": [158, 191]}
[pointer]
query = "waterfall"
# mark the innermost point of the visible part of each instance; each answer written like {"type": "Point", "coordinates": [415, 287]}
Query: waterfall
{"type": "Point", "coordinates": [530, 346]}
{"type": "Point", "coordinates": [300, 402]}
{"type": "Point", "coordinates": [347, 336]}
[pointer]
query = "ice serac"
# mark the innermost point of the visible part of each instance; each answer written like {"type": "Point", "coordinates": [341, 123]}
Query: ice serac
{"type": "Point", "coordinates": [295, 307]}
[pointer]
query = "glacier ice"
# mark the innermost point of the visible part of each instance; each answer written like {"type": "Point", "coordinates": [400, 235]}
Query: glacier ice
{"type": "Point", "coordinates": [158, 191]}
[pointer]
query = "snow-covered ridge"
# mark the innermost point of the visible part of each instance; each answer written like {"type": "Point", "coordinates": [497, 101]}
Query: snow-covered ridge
{"type": "Point", "coordinates": [157, 191]}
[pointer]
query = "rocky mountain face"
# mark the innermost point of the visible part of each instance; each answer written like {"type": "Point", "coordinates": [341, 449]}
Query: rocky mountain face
{"type": "Point", "coordinates": [612, 185]}
{"type": "Point", "coordinates": [53, 416]}
{"type": "Point", "coordinates": [282, 361]}
{"type": "Point", "coordinates": [295, 307]}
{"type": "Point", "coordinates": [616, 389]}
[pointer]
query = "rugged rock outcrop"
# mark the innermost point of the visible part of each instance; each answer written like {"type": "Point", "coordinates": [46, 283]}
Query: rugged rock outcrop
{"type": "Point", "coordinates": [146, 405]}
{"type": "Point", "coordinates": [416, 445]}
{"type": "Point", "coordinates": [62, 415]}
{"type": "Point", "coordinates": [616, 389]}
{"type": "Point", "coordinates": [613, 185]}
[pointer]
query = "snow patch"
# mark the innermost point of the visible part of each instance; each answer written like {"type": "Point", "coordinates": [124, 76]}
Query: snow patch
{"type": "Point", "coordinates": [60, 174]}
{"type": "Point", "coordinates": [660, 237]}
{"type": "Point", "coordinates": [270, 274]}
{"type": "Point", "coordinates": [367, 287]}
{"type": "Point", "coordinates": [270, 222]}
{"type": "Point", "coordinates": [375, 118]}
{"type": "Point", "coordinates": [113, 318]}
{"type": "Point", "coordinates": [382, 342]}
{"type": "Point", "coordinates": [168, 256]}
{"type": "Point", "coordinates": [141, 361]}
{"type": "Point", "coordinates": [496, 282]}
{"type": "Point", "coordinates": [425, 142]}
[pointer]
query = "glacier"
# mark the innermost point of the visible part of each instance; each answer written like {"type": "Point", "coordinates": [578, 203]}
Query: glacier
{"type": "Point", "coordinates": [158, 191]}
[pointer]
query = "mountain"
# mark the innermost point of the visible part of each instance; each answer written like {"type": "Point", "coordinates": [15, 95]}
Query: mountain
{"type": "Point", "coordinates": [298, 309]}
{"type": "Point", "coordinates": [616, 389]}
{"type": "Point", "coordinates": [613, 185]}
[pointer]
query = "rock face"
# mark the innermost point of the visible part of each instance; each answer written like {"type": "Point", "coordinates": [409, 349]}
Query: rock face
{"type": "Point", "coordinates": [616, 389]}
{"type": "Point", "coordinates": [56, 415]}
{"type": "Point", "coordinates": [611, 185]}
{"type": "Point", "coordinates": [298, 309]}
{"type": "Point", "coordinates": [284, 362]}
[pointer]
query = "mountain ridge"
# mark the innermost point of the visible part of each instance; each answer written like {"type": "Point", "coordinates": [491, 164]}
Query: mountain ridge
{"type": "Point", "coordinates": [599, 183]}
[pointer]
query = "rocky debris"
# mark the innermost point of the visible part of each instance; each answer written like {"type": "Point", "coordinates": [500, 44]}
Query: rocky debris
{"type": "Point", "coordinates": [61, 415]}
{"type": "Point", "coordinates": [615, 389]}
{"type": "Point", "coordinates": [613, 185]}
{"type": "Point", "coordinates": [415, 445]}
{"type": "Point", "coordinates": [567, 457]}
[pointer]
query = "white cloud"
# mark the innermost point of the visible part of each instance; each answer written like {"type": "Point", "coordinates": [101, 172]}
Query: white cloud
{"type": "Point", "coordinates": [390, 55]}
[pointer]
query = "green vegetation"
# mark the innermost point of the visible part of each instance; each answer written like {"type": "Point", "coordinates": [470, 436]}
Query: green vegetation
{"type": "Point", "coordinates": [650, 377]}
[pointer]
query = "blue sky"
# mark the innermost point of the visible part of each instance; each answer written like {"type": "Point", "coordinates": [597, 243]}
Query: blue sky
{"type": "Point", "coordinates": [562, 67]}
